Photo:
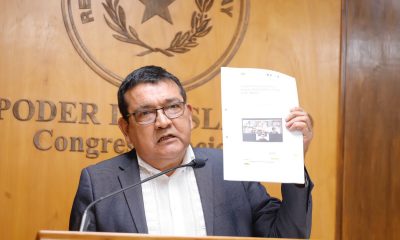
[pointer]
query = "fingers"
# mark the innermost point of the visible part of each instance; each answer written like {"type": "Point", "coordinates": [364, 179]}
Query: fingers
{"type": "Point", "coordinates": [299, 120]}
{"type": "Point", "coordinates": [299, 125]}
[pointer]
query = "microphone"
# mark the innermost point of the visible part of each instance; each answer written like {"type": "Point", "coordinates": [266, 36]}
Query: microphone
{"type": "Point", "coordinates": [195, 163]}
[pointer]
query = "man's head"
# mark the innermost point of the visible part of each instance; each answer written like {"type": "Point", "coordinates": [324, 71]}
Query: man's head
{"type": "Point", "coordinates": [155, 116]}
{"type": "Point", "coordinates": [147, 74]}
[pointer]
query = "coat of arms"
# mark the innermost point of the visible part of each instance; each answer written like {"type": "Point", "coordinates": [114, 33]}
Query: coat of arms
{"type": "Point", "coordinates": [194, 38]}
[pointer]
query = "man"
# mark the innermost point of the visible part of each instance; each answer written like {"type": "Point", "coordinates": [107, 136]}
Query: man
{"type": "Point", "coordinates": [157, 121]}
{"type": "Point", "coordinates": [275, 136]}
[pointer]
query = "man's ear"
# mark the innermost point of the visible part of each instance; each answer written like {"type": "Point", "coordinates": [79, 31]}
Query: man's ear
{"type": "Point", "coordinates": [124, 127]}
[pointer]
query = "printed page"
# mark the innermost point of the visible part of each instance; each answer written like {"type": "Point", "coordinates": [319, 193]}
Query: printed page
{"type": "Point", "coordinates": [256, 144]}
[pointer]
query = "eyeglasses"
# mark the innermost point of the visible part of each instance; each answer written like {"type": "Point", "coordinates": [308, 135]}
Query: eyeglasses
{"type": "Point", "coordinates": [148, 116]}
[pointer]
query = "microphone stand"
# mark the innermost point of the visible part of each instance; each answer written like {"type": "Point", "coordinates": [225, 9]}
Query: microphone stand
{"type": "Point", "coordinates": [195, 163]}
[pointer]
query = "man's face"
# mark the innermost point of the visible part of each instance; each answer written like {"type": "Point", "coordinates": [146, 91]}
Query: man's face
{"type": "Point", "coordinates": [161, 144]}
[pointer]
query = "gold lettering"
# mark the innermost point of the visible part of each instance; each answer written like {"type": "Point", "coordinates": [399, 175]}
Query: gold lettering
{"type": "Point", "coordinates": [42, 106]}
{"type": "Point", "coordinates": [90, 114]}
{"type": "Point", "coordinates": [86, 17]}
{"type": "Point", "coordinates": [210, 144]}
{"type": "Point", "coordinates": [117, 144]}
{"type": "Point", "coordinates": [195, 118]}
{"type": "Point", "coordinates": [206, 124]}
{"type": "Point", "coordinates": [114, 114]}
{"type": "Point", "coordinates": [16, 110]}
{"type": "Point", "coordinates": [43, 140]}
{"type": "Point", "coordinates": [91, 144]}
{"type": "Point", "coordinates": [84, 4]}
{"type": "Point", "coordinates": [61, 144]}
{"type": "Point", "coordinates": [104, 145]}
{"type": "Point", "coordinates": [66, 112]}
{"type": "Point", "coordinates": [74, 141]}
{"type": "Point", "coordinates": [36, 139]}
{"type": "Point", "coordinates": [5, 104]}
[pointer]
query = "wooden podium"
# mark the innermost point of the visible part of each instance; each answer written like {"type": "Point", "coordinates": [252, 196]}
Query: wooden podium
{"type": "Point", "coordinates": [55, 235]}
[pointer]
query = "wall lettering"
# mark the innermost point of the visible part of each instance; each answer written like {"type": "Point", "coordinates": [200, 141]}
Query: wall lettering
{"type": "Point", "coordinates": [70, 112]}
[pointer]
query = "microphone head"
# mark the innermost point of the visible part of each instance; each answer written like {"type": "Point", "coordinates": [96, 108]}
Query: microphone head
{"type": "Point", "coordinates": [198, 163]}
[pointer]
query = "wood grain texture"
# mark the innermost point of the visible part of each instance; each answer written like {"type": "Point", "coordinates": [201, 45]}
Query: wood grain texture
{"type": "Point", "coordinates": [38, 62]}
{"type": "Point", "coordinates": [371, 184]}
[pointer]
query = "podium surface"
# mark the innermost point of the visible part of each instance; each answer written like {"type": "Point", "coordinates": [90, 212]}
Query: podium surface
{"type": "Point", "coordinates": [71, 235]}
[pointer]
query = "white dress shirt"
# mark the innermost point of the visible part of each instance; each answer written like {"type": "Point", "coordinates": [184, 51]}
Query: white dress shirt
{"type": "Point", "coordinates": [172, 203]}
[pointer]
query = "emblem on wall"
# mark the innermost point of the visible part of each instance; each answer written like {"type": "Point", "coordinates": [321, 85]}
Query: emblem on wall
{"type": "Point", "coordinates": [192, 39]}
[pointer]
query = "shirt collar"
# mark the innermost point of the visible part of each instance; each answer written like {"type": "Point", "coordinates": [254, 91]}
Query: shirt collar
{"type": "Point", "coordinates": [144, 166]}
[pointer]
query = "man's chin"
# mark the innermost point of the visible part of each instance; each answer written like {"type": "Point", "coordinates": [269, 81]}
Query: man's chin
{"type": "Point", "coordinates": [172, 151]}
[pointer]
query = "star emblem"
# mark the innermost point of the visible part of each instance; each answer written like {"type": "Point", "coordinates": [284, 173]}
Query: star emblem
{"type": "Point", "coordinates": [157, 7]}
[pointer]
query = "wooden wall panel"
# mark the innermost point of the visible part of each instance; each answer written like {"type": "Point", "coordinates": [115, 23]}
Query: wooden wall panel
{"type": "Point", "coordinates": [38, 62]}
{"type": "Point", "coordinates": [371, 184]}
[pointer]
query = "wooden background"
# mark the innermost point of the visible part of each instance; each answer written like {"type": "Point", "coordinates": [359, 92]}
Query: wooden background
{"type": "Point", "coordinates": [371, 117]}
{"type": "Point", "coordinates": [38, 62]}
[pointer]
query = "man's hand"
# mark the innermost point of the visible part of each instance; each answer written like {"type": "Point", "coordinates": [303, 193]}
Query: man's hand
{"type": "Point", "coordinates": [299, 120]}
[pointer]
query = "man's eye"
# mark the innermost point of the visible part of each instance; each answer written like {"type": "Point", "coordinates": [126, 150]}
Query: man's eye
{"type": "Point", "coordinates": [173, 106]}
{"type": "Point", "coordinates": [144, 113]}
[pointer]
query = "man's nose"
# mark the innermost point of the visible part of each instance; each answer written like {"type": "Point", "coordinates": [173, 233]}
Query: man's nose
{"type": "Point", "coordinates": [162, 121]}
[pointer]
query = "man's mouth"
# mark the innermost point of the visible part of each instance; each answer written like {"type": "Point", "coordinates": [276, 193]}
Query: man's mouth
{"type": "Point", "coordinates": [165, 138]}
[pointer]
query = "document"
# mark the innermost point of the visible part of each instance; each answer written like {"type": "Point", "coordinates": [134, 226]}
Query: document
{"type": "Point", "coordinates": [256, 144]}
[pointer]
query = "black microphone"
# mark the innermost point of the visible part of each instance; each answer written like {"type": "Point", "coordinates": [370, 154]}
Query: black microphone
{"type": "Point", "coordinates": [195, 163]}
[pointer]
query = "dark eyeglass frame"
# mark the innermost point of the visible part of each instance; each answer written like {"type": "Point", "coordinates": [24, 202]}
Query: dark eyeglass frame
{"type": "Point", "coordinates": [154, 111]}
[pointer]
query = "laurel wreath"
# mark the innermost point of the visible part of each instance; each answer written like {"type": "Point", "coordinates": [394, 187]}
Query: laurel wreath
{"type": "Point", "coordinates": [182, 42]}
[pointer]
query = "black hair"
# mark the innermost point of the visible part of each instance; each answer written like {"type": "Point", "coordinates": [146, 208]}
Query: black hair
{"type": "Point", "coordinates": [147, 74]}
